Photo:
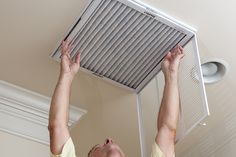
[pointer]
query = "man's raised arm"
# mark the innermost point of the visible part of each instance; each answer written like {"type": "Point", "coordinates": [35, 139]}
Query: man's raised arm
{"type": "Point", "coordinates": [169, 110]}
{"type": "Point", "coordinates": [59, 109]}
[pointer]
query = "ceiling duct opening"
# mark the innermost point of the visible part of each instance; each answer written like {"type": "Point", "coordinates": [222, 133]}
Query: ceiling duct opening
{"type": "Point", "coordinates": [124, 41]}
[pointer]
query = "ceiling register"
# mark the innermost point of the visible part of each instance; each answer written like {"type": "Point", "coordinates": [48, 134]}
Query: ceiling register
{"type": "Point", "coordinates": [123, 41]}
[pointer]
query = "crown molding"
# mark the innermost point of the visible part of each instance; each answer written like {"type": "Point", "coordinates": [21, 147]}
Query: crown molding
{"type": "Point", "coordinates": [25, 113]}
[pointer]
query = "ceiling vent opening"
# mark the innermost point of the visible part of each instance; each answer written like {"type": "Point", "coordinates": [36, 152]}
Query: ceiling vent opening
{"type": "Point", "coordinates": [124, 41]}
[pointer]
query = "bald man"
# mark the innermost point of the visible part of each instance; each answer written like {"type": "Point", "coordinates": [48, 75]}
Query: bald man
{"type": "Point", "coordinates": [61, 144]}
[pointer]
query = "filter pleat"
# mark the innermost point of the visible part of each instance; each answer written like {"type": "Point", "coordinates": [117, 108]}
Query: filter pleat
{"type": "Point", "coordinates": [117, 40]}
{"type": "Point", "coordinates": [123, 43]}
{"type": "Point", "coordinates": [137, 69]}
{"type": "Point", "coordinates": [156, 59]}
{"type": "Point", "coordinates": [94, 40]}
{"type": "Point", "coordinates": [139, 52]}
{"type": "Point", "coordinates": [123, 51]}
{"type": "Point", "coordinates": [96, 27]}
{"type": "Point", "coordinates": [110, 38]}
{"type": "Point", "coordinates": [143, 58]}
{"type": "Point", "coordinates": [90, 26]}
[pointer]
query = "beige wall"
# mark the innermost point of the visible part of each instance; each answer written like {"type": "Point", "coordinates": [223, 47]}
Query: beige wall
{"type": "Point", "coordinates": [11, 145]}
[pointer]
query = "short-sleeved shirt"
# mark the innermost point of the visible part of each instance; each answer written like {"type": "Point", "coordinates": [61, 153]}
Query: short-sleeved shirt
{"type": "Point", "coordinates": [69, 150]}
{"type": "Point", "coordinates": [156, 151]}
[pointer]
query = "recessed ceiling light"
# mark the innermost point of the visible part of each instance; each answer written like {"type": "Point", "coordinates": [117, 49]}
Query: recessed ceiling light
{"type": "Point", "coordinates": [212, 70]}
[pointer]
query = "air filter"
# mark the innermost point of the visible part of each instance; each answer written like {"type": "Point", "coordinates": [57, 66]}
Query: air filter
{"type": "Point", "coordinates": [124, 41]}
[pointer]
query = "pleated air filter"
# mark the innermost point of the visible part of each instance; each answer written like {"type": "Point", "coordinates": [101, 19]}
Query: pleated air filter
{"type": "Point", "coordinates": [124, 41]}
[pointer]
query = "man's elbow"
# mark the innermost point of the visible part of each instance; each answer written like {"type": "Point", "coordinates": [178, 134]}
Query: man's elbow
{"type": "Point", "coordinates": [51, 126]}
{"type": "Point", "coordinates": [56, 125]}
{"type": "Point", "coordinates": [169, 130]}
{"type": "Point", "coordinates": [172, 133]}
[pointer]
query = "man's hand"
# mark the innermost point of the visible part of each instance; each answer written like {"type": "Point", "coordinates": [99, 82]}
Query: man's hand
{"type": "Point", "coordinates": [170, 64]}
{"type": "Point", "coordinates": [69, 67]}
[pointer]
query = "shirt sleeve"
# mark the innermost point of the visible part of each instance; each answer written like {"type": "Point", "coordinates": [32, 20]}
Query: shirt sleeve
{"type": "Point", "coordinates": [68, 150]}
{"type": "Point", "coordinates": [156, 151]}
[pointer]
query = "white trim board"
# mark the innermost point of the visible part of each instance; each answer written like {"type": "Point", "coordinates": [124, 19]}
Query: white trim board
{"type": "Point", "coordinates": [25, 113]}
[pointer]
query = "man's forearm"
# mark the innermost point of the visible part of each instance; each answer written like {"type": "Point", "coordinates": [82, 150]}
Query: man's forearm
{"type": "Point", "coordinates": [60, 102]}
{"type": "Point", "coordinates": [169, 110]}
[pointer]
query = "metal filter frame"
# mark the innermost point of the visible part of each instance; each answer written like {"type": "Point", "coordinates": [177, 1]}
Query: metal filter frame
{"type": "Point", "coordinates": [124, 41]}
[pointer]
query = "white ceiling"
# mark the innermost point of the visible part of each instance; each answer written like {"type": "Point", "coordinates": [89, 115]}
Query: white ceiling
{"type": "Point", "coordinates": [30, 30]}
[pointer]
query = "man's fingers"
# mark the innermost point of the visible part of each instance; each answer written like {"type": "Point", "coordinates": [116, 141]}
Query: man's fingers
{"type": "Point", "coordinates": [66, 47]}
{"type": "Point", "coordinates": [181, 48]}
{"type": "Point", "coordinates": [77, 59]}
{"type": "Point", "coordinates": [69, 49]}
{"type": "Point", "coordinates": [178, 52]}
{"type": "Point", "coordinates": [177, 47]}
{"type": "Point", "coordinates": [67, 43]}
{"type": "Point", "coordinates": [62, 47]}
{"type": "Point", "coordinates": [182, 56]}
{"type": "Point", "coordinates": [168, 55]}
{"type": "Point", "coordinates": [64, 59]}
{"type": "Point", "coordinates": [76, 64]}
{"type": "Point", "coordinates": [71, 43]}
{"type": "Point", "coordinates": [174, 49]}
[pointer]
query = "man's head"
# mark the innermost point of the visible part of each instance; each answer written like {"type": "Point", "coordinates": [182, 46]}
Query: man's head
{"type": "Point", "coordinates": [108, 149]}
